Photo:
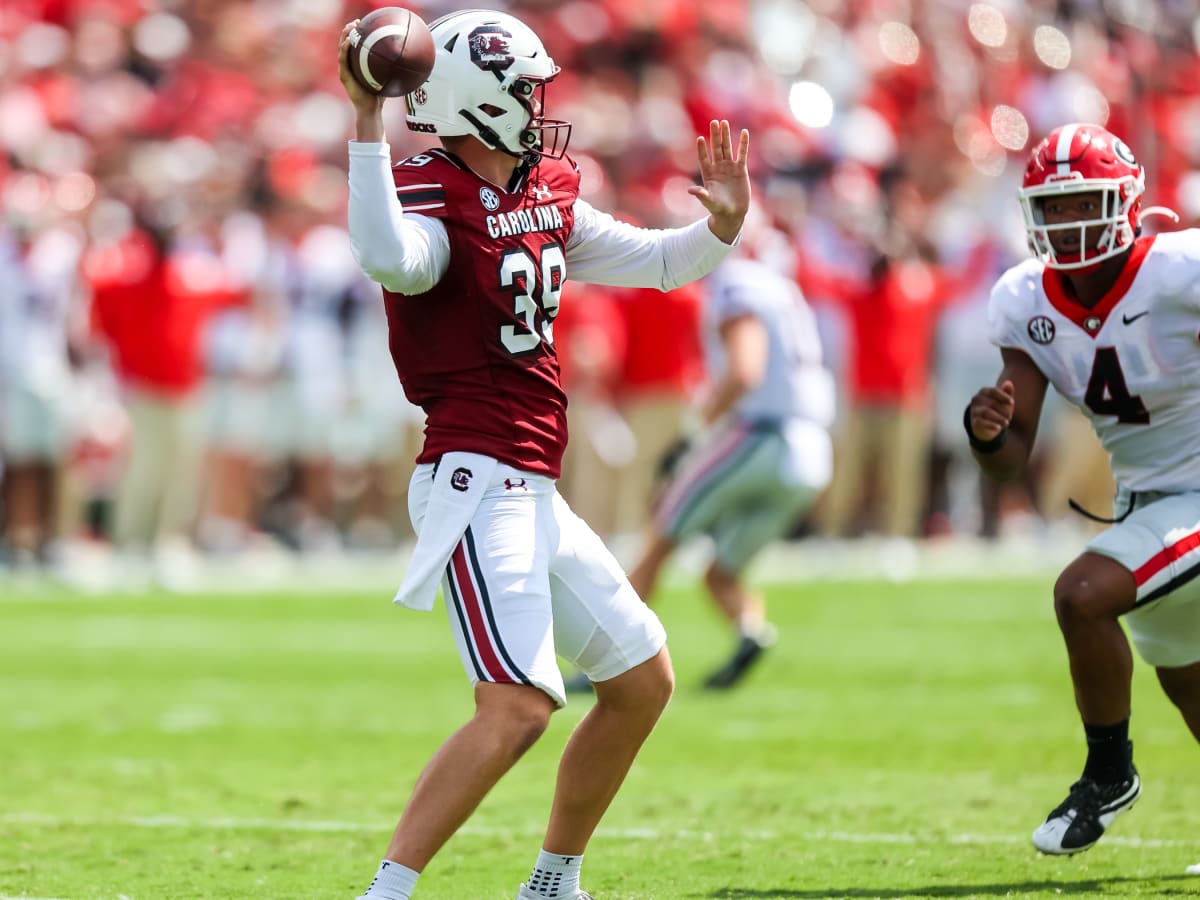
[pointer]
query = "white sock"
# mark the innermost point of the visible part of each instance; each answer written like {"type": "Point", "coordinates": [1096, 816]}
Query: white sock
{"type": "Point", "coordinates": [555, 875]}
{"type": "Point", "coordinates": [392, 882]}
{"type": "Point", "coordinates": [750, 624]}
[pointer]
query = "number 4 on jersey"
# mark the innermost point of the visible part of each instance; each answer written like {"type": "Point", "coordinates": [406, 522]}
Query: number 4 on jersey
{"type": "Point", "coordinates": [1107, 394]}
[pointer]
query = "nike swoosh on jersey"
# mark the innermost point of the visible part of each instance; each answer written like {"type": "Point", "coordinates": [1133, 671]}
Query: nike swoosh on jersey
{"type": "Point", "coordinates": [1130, 319]}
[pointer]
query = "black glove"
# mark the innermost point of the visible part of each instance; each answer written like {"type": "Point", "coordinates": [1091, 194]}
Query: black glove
{"type": "Point", "coordinates": [668, 462]}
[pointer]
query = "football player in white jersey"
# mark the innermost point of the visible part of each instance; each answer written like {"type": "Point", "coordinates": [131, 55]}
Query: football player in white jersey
{"type": "Point", "coordinates": [1110, 318]}
{"type": "Point", "coordinates": [766, 454]}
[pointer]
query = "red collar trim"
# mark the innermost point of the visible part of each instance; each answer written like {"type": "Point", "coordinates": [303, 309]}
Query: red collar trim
{"type": "Point", "coordinates": [1091, 320]}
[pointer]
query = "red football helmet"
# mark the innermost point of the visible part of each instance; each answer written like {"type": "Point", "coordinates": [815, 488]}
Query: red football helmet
{"type": "Point", "coordinates": [1075, 159]}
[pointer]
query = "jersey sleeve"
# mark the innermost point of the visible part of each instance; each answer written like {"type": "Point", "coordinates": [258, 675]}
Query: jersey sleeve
{"type": "Point", "coordinates": [604, 250]}
{"type": "Point", "coordinates": [735, 294]}
{"type": "Point", "coordinates": [419, 189]}
{"type": "Point", "coordinates": [1180, 267]}
{"type": "Point", "coordinates": [396, 239]}
{"type": "Point", "coordinates": [1009, 307]}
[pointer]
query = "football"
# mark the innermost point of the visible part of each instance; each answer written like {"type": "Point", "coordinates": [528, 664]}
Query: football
{"type": "Point", "coordinates": [391, 51]}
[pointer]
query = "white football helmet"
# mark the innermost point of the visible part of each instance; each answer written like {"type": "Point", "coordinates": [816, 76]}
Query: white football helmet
{"type": "Point", "coordinates": [488, 80]}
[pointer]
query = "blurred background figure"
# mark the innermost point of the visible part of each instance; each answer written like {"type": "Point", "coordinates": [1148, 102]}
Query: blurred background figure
{"type": "Point", "coordinates": [592, 339]}
{"type": "Point", "coordinates": [211, 135]}
{"type": "Point", "coordinates": [891, 309]}
{"type": "Point", "coordinates": [152, 297]}
{"type": "Point", "coordinates": [39, 314]}
{"type": "Point", "coordinates": [766, 454]}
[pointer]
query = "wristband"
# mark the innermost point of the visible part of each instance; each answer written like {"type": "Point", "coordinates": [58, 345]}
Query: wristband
{"type": "Point", "coordinates": [991, 445]}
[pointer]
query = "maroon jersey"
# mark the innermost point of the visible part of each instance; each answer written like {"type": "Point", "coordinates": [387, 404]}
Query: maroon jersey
{"type": "Point", "coordinates": [476, 352]}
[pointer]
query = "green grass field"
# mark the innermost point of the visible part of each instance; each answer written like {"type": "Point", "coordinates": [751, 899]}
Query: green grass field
{"type": "Point", "coordinates": [902, 740]}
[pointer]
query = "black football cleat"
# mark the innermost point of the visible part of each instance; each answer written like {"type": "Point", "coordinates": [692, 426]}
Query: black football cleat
{"type": "Point", "coordinates": [1080, 821]}
{"type": "Point", "coordinates": [749, 651]}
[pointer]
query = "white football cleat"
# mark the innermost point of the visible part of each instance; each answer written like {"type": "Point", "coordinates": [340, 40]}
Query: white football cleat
{"type": "Point", "coordinates": [526, 894]}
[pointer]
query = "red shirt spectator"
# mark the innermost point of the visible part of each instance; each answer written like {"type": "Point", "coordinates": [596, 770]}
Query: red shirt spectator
{"type": "Point", "coordinates": [891, 318]}
{"type": "Point", "coordinates": [152, 310]}
{"type": "Point", "coordinates": [663, 352]}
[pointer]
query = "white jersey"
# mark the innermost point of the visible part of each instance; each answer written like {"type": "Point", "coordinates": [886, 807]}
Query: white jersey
{"type": "Point", "coordinates": [796, 384]}
{"type": "Point", "coordinates": [38, 286]}
{"type": "Point", "coordinates": [1131, 363]}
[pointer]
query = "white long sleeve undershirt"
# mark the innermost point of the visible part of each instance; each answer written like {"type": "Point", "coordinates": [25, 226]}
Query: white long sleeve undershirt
{"type": "Point", "coordinates": [409, 253]}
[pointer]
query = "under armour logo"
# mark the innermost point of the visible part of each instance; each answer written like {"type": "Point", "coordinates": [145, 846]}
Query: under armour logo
{"type": "Point", "coordinates": [460, 479]}
{"type": "Point", "coordinates": [542, 191]}
{"type": "Point", "coordinates": [511, 485]}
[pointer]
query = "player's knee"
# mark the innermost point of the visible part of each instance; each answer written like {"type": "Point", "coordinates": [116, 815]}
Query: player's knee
{"type": "Point", "coordinates": [658, 683]}
{"type": "Point", "coordinates": [516, 716]}
{"type": "Point", "coordinates": [1071, 599]}
{"type": "Point", "coordinates": [1093, 588]}
{"type": "Point", "coordinates": [717, 580]}
{"type": "Point", "coordinates": [646, 688]}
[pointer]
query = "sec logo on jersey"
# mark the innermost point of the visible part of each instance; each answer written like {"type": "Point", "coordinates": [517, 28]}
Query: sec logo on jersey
{"type": "Point", "coordinates": [489, 198]}
{"type": "Point", "coordinates": [1041, 330]}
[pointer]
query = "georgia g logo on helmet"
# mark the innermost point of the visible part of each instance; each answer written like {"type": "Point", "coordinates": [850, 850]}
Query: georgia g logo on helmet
{"type": "Point", "coordinates": [1124, 153]}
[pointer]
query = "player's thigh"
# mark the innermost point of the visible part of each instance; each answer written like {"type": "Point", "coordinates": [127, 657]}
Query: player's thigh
{"type": "Point", "coordinates": [741, 535]}
{"type": "Point", "coordinates": [497, 594]}
{"type": "Point", "coordinates": [601, 625]}
{"type": "Point", "coordinates": [1160, 544]}
{"type": "Point", "coordinates": [33, 426]}
{"type": "Point", "coordinates": [735, 465]}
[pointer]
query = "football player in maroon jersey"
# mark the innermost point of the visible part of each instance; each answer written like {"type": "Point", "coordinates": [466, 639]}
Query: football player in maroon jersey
{"type": "Point", "coordinates": [1109, 317]}
{"type": "Point", "coordinates": [472, 241]}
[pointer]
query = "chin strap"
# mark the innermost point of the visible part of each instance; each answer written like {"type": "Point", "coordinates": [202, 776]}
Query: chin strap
{"type": "Point", "coordinates": [1160, 211]}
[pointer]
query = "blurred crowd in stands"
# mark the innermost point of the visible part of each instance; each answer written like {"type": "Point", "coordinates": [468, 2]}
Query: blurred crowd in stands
{"type": "Point", "coordinates": [190, 356]}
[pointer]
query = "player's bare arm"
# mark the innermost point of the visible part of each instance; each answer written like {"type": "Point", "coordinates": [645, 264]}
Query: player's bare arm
{"type": "Point", "coordinates": [368, 107]}
{"type": "Point", "coordinates": [725, 191]}
{"type": "Point", "coordinates": [1004, 419]}
{"type": "Point", "coordinates": [746, 346]}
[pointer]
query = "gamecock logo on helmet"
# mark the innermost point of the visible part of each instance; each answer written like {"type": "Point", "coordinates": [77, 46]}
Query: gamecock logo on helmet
{"type": "Point", "coordinates": [489, 48]}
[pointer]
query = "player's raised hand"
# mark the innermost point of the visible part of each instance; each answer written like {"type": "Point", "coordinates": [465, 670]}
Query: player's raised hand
{"type": "Point", "coordinates": [991, 410]}
{"type": "Point", "coordinates": [725, 192]}
{"type": "Point", "coordinates": [364, 101]}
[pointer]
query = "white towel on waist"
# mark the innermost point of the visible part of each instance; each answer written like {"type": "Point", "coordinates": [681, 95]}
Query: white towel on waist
{"type": "Point", "coordinates": [458, 486]}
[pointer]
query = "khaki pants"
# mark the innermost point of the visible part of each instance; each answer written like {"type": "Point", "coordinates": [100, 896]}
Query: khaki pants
{"type": "Point", "coordinates": [656, 421]}
{"type": "Point", "coordinates": [160, 487]}
{"type": "Point", "coordinates": [891, 444]}
{"type": "Point", "coordinates": [588, 482]}
{"type": "Point", "coordinates": [1077, 468]}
